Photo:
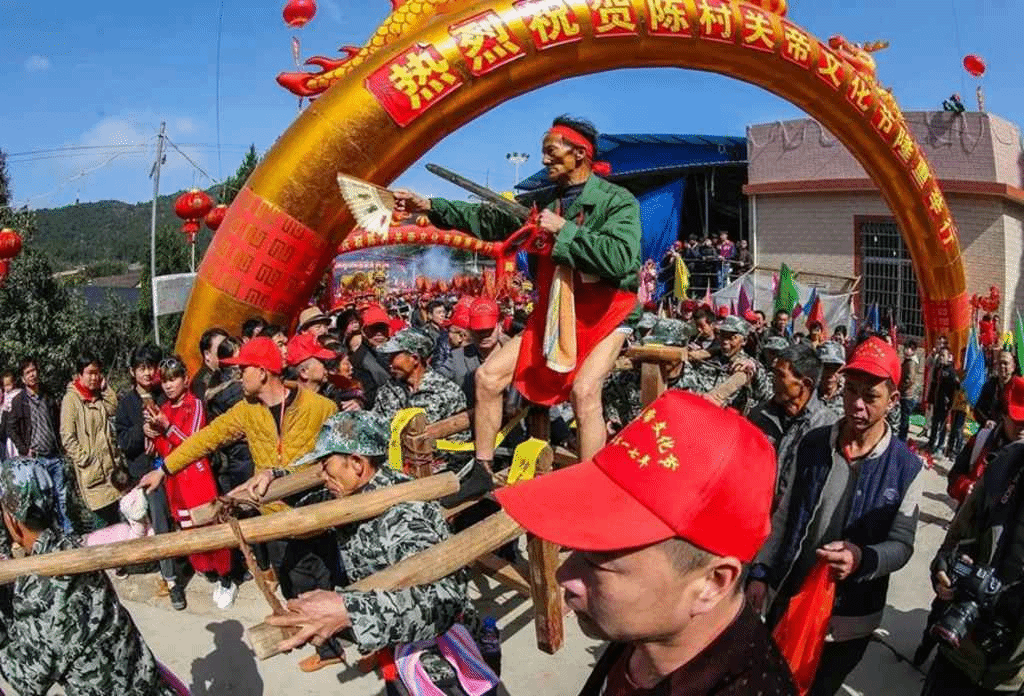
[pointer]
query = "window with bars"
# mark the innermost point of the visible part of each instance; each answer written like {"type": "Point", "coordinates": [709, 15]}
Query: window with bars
{"type": "Point", "coordinates": [887, 276]}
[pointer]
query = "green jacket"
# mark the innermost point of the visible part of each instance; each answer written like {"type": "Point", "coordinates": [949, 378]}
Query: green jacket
{"type": "Point", "coordinates": [607, 244]}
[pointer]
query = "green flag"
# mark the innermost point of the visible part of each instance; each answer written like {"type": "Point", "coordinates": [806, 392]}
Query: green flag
{"type": "Point", "coordinates": [1018, 338]}
{"type": "Point", "coordinates": [786, 295]}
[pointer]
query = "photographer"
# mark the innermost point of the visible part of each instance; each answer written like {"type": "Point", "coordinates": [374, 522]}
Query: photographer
{"type": "Point", "coordinates": [982, 635]}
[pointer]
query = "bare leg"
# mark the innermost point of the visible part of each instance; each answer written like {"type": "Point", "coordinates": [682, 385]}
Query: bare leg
{"type": "Point", "coordinates": [586, 393]}
{"type": "Point", "coordinates": [491, 380]}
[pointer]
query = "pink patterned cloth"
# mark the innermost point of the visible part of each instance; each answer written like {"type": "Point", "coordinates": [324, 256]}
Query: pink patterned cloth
{"type": "Point", "coordinates": [172, 681]}
{"type": "Point", "coordinates": [461, 651]}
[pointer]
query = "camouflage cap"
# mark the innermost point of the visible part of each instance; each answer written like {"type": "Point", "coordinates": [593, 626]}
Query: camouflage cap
{"type": "Point", "coordinates": [647, 321]}
{"type": "Point", "coordinates": [831, 353]}
{"type": "Point", "coordinates": [670, 332]}
{"type": "Point", "coordinates": [734, 324]}
{"type": "Point", "coordinates": [776, 343]}
{"type": "Point", "coordinates": [24, 484]}
{"type": "Point", "coordinates": [409, 341]}
{"type": "Point", "coordinates": [350, 432]}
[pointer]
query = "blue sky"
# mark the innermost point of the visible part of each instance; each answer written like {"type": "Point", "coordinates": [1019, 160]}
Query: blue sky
{"type": "Point", "coordinates": [94, 74]}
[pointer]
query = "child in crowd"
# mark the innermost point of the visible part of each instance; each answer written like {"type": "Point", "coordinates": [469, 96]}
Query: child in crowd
{"type": "Point", "coordinates": [181, 416]}
{"type": "Point", "coordinates": [134, 509]}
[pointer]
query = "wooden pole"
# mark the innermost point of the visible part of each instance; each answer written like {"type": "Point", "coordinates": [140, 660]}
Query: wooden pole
{"type": "Point", "coordinates": [279, 489]}
{"type": "Point", "coordinates": [421, 568]}
{"type": "Point", "coordinates": [543, 557]}
{"type": "Point", "coordinates": [727, 389]}
{"type": "Point", "coordinates": [417, 449]}
{"type": "Point", "coordinates": [449, 426]}
{"type": "Point", "coordinates": [652, 382]}
{"type": "Point", "coordinates": [669, 354]}
{"type": "Point", "coordinates": [280, 525]}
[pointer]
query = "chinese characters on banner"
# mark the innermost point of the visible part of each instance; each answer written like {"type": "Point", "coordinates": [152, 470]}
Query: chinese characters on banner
{"type": "Point", "coordinates": [613, 17]}
{"type": "Point", "coordinates": [412, 82]}
{"type": "Point", "coordinates": [485, 42]}
{"type": "Point", "coordinates": [943, 316]}
{"type": "Point", "coordinates": [668, 18]}
{"type": "Point", "coordinates": [551, 22]}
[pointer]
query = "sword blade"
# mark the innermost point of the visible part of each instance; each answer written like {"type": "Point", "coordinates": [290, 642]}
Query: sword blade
{"type": "Point", "coordinates": [511, 207]}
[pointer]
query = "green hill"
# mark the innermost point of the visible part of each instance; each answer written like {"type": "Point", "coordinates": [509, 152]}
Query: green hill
{"type": "Point", "coordinates": [84, 233]}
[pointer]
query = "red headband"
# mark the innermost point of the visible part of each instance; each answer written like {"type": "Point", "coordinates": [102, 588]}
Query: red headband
{"type": "Point", "coordinates": [579, 140]}
{"type": "Point", "coordinates": [574, 137]}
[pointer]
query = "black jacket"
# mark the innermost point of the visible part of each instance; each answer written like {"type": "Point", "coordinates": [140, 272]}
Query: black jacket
{"type": "Point", "coordinates": [368, 371]}
{"type": "Point", "coordinates": [17, 422]}
{"type": "Point", "coordinates": [234, 461]}
{"type": "Point", "coordinates": [128, 422]}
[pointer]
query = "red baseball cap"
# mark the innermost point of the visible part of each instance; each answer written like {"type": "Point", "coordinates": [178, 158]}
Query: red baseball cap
{"type": "Point", "coordinates": [484, 314]}
{"type": "Point", "coordinates": [751, 316]}
{"type": "Point", "coordinates": [1014, 395]}
{"type": "Point", "coordinates": [302, 347]}
{"type": "Point", "coordinates": [875, 357]}
{"type": "Point", "coordinates": [375, 314]}
{"type": "Point", "coordinates": [659, 478]}
{"type": "Point", "coordinates": [258, 352]}
{"type": "Point", "coordinates": [723, 311]}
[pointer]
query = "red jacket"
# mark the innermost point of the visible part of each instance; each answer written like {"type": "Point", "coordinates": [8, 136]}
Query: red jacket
{"type": "Point", "coordinates": [194, 485]}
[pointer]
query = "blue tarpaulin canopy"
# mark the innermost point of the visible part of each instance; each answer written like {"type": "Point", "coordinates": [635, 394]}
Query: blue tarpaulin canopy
{"type": "Point", "coordinates": [638, 154]}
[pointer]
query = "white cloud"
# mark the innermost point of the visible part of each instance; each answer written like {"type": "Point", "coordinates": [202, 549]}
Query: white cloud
{"type": "Point", "coordinates": [183, 126]}
{"type": "Point", "coordinates": [37, 63]}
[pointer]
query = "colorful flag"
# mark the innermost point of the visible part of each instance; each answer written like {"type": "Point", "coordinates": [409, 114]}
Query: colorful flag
{"type": "Point", "coordinates": [732, 307]}
{"type": "Point", "coordinates": [786, 296]}
{"type": "Point", "coordinates": [974, 369]}
{"type": "Point", "coordinates": [892, 327]}
{"type": "Point", "coordinates": [708, 301]}
{"type": "Point", "coordinates": [817, 314]}
{"type": "Point", "coordinates": [682, 282]}
{"type": "Point", "coordinates": [1018, 338]}
{"type": "Point", "coordinates": [809, 305]}
{"type": "Point", "coordinates": [743, 306]}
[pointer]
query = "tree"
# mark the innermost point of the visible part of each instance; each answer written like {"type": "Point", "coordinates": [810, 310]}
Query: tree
{"type": "Point", "coordinates": [42, 317]}
{"type": "Point", "coordinates": [233, 184]}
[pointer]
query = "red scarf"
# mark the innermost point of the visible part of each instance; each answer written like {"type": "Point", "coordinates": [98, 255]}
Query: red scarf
{"type": "Point", "coordinates": [86, 394]}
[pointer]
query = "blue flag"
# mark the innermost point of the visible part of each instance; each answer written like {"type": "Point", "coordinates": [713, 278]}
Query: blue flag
{"type": "Point", "coordinates": [872, 319]}
{"type": "Point", "coordinates": [810, 302]}
{"type": "Point", "coordinates": [974, 369]}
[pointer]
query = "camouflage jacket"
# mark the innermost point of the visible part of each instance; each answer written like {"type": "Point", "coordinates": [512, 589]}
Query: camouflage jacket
{"type": "Point", "coordinates": [73, 631]}
{"type": "Point", "coordinates": [620, 398]}
{"type": "Point", "coordinates": [702, 377]}
{"type": "Point", "coordinates": [439, 397]}
{"type": "Point", "coordinates": [386, 618]}
{"type": "Point", "coordinates": [834, 405]}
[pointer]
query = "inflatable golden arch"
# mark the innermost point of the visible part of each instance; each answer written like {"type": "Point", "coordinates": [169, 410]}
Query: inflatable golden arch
{"type": "Point", "coordinates": [434, 66]}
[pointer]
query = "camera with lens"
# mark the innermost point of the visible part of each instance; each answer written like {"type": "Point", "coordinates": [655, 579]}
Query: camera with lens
{"type": "Point", "coordinates": [977, 591]}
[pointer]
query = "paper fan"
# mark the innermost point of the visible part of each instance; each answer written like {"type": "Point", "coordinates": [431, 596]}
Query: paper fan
{"type": "Point", "coordinates": [372, 206]}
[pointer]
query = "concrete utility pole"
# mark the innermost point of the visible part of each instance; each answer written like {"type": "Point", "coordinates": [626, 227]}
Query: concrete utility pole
{"type": "Point", "coordinates": [154, 174]}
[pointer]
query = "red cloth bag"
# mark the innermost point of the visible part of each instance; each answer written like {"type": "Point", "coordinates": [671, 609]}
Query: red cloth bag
{"type": "Point", "coordinates": [800, 634]}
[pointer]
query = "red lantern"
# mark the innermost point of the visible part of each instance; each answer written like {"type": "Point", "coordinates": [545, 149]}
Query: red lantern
{"type": "Point", "coordinates": [974, 64]}
{"type": "Point", "coordinates": [10, 243]}
{"type": "Point", "coordinates": [216, 216]}
{"type": "Point", "coordinates": [191, 229]}
{"type": "Point", "coordinates": [298, 12]}
{"type": "Point", "coordinates": [193, 205]}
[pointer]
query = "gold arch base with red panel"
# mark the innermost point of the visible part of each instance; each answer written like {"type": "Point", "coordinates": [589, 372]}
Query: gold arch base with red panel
{"type": "Point", "coordinates": [455, 60]}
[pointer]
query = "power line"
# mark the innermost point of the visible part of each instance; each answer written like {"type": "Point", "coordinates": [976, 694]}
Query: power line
{"type": "Point", "coordinates": [220, 33]}
{"type": "Point", "coordinates": [188, 159]}
{"type": "Point", "coordinates": [114, 146]}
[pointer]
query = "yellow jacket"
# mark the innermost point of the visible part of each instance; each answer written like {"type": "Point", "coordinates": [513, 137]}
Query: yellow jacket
{"type": "Point", "coordinates": [255, 423]}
